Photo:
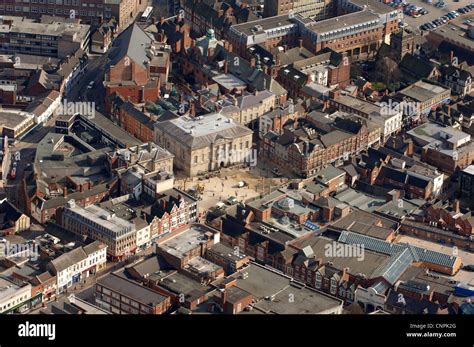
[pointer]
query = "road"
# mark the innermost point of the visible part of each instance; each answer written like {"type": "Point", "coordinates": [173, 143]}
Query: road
{"type": "Point", "coordinates": [86, 289]}
{"type": "Point", "coordinates": [95, 72]}
{"type": "Point", "coordinates": [27, 145]}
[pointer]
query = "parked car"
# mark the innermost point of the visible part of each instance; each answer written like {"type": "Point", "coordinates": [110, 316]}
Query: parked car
{"type": "Point", "coordinates": [220, 205]}
{"type": "Point", "coordinates": [231, 200]}
{"type": "Point", "coordinates": [469, 268]}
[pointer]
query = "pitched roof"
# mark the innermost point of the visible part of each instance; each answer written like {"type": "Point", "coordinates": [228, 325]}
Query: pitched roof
{"type": "Point", "coordinates": [132, 42]}
{"type": "Point", "coordinates": [68, 259]}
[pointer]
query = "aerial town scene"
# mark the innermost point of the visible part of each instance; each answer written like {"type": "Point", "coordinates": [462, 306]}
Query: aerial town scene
{"type": "Point", "coordinates": [236, 157]}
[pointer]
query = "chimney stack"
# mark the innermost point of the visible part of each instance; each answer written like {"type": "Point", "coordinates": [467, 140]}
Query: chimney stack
{"type": "Point", "coordinates": [192, 109]}
{"type": "Point", "coordinates": [456, 206]}
{"type": "Point", "coordinates": [226, 66]}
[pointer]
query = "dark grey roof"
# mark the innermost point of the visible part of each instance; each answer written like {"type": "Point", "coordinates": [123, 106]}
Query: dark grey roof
{"type": "Point", "coordinates": [132, 43]}
{"type": "Point", "coordinates": [131, 289]}
{"type": "Point", "coordinates": [68, 259]}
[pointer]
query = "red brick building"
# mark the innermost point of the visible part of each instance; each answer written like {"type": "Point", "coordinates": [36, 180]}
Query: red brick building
{"type": "Point", "coordinates": [132, 71]}
{"type": "Point", "coordinates": [136, 122]}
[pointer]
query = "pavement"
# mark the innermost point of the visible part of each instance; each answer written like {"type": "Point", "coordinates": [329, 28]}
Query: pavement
{"type": "Point", "coordinates": [86, 288]}
{"type": "Point", "coordinates": [259, 180]}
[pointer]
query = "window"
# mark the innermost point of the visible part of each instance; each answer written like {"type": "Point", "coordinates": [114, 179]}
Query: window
{"type": "Point", "coordinates": [318, 280]}
{"type": "Point", "coordinates": [333, 286]}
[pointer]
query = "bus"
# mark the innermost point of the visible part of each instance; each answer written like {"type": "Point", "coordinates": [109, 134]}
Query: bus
{"type": "Point", "coordinates": [146, 14]}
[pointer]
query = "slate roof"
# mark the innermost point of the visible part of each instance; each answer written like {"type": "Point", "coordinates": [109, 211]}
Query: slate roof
{"type": "Point", "coordinates": [412, 305]}
{"type": "Point", "coordinates": [132, 42]}
{"type": "Point", "coordinates": [418, 182]}
{"type": "Point", "coordinates": [415, 66]}
{"type": "Point", "coordinates": [417, 253]}
{"type": "Point", "coordinates": [393, 174]}
{"type": "Point", "coordinates": [68, 259]}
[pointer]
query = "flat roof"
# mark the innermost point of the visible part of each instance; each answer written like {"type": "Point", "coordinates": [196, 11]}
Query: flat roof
{"type": "Point", "coordinates": [181, 244]}
{"type": "Point", "coordinates": [181, 284]}
{"type": "Point", "coordinates": [227, 252]}
{"type": "Point", "coordinates": [13, 118]}
{"type": "Point", "coordinates": [341, 22]}
{"type": "Point", "coordinates": [260, 281]}
{"type": "Point", "coordinates": [131, 289]}
{"type": "Point", "coordinates": [229, 81]}
{"type": "Point", "coordinates": [423, 91]}
{"type": "Point", "coordinates": [203, 126]}
{"type": "Point", "coordinates": [198, 132]}
{"type": "Point", "coordinates": [374, 5]}
{"type": "Point", "coordinates": [28, 26]}
{"type": "Point", "coordinates": [454, 34]}
{"type": "Point", "coordinates": [430, 132]}
{"type": "Point", "coordinates": [268, 23]}
{"type": "Point", "coordinates": [9, 288]}
{"type": "Point", "coordinates": [106, 219]}
{"type": "Point", "coordinates": [298, 300]}
{"type": "Point", "coordinates": [362, 106]}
